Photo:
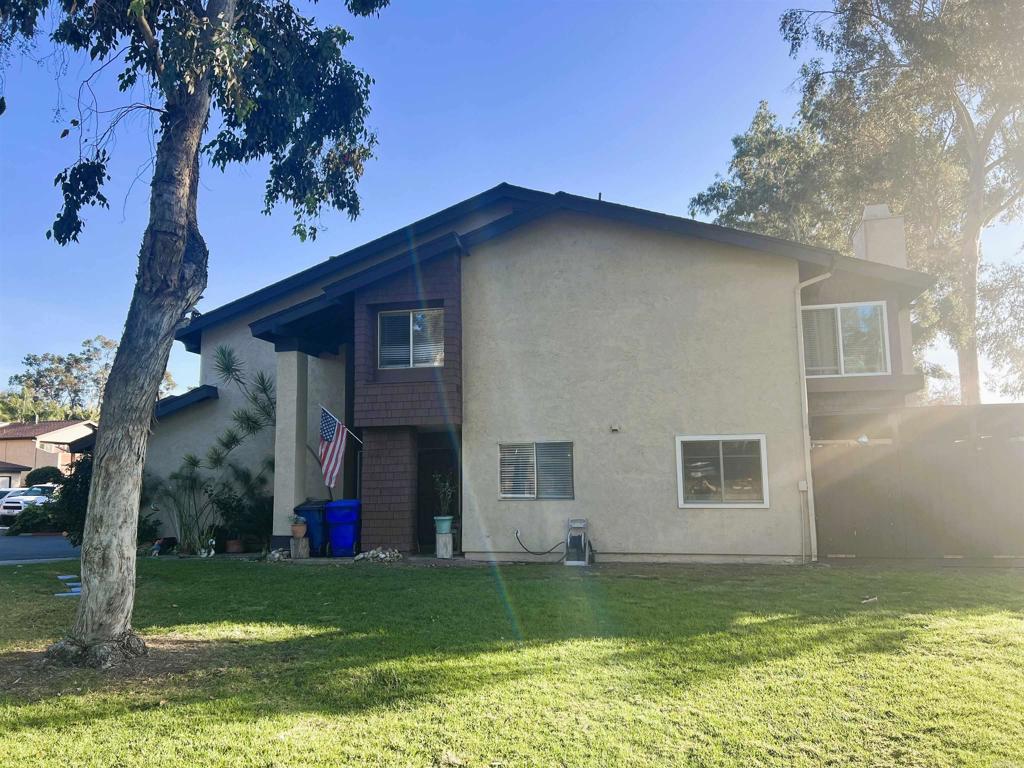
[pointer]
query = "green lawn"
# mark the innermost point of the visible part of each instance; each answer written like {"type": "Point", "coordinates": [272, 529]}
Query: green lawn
{"type": "Point", "coordinates": [275, 665]}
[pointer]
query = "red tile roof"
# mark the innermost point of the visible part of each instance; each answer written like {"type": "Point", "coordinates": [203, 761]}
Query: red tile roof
{"type": "Point", "coordinates": [33, 429]}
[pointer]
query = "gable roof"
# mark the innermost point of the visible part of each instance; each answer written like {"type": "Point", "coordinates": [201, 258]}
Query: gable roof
{"type": "Point", "coordinates": [530, 205]}
{"type": "Point", "coordinates": [165, 406]}
{"type": "Point", "coordinates": [29, 429]}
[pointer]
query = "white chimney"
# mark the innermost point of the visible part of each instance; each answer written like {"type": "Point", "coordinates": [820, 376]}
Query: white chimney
{"type": "Point", "coordinates": [880, 237]}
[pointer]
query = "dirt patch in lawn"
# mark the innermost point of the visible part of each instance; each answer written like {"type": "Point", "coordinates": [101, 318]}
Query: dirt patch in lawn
{"type": "Point", "coordinates": [30, 675]}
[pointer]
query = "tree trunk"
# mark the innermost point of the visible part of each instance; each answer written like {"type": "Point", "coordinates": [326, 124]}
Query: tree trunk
{"type": "Point", "coordinates": [970, 257]}
{"type": "Point", "coordinates": [170, 279]}
{"type": "Point", "coordinates": [967, 346]}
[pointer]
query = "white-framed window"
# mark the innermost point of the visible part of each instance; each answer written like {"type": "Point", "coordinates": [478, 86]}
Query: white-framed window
{"type": "Point", "coordinates": [846, 339]}
{"type": "Point", "coordinates": [410, 338]}
{"type": "Point", "coordinates": [535, 470]}
{"type": "Point", "coordinates": [722, 471]}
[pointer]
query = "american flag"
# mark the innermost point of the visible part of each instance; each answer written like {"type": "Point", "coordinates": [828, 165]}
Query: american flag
{"type": "Point", "coordinates": [332, 446]}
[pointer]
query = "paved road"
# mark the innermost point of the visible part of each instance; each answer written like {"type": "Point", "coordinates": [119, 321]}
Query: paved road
{"type": "Point", "coordinates": [20, 548]}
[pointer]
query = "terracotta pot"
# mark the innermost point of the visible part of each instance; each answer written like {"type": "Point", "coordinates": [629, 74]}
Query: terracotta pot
{"type": "Point", "coordinates": [298, 530]}
{"type": "Point", "coordinates": [233, 546]}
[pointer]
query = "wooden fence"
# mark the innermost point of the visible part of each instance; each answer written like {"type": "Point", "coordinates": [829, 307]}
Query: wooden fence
{"type": "Point", "coordinates": [943, 481]}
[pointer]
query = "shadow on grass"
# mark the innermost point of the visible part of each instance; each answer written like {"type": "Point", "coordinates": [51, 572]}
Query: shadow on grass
{"type": "Point", "coordinates": [238, 641]}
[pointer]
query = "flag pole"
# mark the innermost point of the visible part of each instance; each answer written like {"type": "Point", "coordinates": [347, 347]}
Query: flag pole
{"type": "Point", "coordinates": [349, 431]}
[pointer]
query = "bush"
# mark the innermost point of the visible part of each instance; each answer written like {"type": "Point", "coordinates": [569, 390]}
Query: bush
{"type": "Point", "coordinates": [72, 499]}
{"type": "Point", "coordinates": [34, 518]}
{"type": "Point", "coordinates": [44, 475]}
{"type": "Point", "coordinates": [246, 509]}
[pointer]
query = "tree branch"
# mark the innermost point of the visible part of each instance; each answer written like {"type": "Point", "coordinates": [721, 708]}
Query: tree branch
{"type": "Point", "coordinates": [964, 115]}
{"type": "Point", "coordinates": [151, 42]}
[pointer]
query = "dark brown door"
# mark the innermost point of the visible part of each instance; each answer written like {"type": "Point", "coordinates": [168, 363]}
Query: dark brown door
{"type": "Point", "coordinates": [431, 463]}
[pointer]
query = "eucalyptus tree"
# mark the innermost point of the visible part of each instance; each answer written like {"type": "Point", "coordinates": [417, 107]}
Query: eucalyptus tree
{"type": "Point", "coordinates": [237, 81]}
{"type": "Point", "coordinates": [915, 102]}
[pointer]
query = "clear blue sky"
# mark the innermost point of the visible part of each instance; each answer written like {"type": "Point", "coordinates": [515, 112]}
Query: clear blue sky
{"type": "Point", "coordinates": [635, 100]}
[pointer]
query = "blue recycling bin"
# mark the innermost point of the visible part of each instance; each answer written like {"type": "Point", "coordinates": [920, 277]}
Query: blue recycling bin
{"type": "Point", "coordinates": [343, 526]}
{"type": "Point", "coordinates": [313, 513]}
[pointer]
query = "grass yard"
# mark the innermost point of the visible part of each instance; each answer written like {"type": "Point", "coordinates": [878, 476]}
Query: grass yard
{"type": "Point", "coordinates": [275, 665]}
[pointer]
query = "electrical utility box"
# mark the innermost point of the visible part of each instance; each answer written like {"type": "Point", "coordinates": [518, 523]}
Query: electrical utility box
{"type": "Point", "coordinates": [577, 542]}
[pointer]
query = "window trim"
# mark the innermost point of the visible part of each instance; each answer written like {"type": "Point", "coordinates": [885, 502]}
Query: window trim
{"type": "Point", "coordinates": [536, 472]}
{"type": "Point", "coordinates": [839, 333]}
{"type": "Point", "coordinates": [412, 353]}
{"type": "Point", "coordinates": [683, 504]}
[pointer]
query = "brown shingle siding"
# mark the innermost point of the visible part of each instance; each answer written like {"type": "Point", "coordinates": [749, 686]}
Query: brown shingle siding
{"type": "Point", "coordinates": [389, 488]}
{"type": "Point", "coordinates": [419, 396]}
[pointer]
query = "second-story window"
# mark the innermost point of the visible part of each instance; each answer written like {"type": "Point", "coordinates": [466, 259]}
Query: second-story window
{"type": "Point", "coordinates": [411, 339]}
{"type": "Point", "coordinates": [846, 339]}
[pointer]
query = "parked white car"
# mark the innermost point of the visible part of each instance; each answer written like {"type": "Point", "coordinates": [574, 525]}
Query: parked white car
{"type": "Point", "coordinates": [19, 498]}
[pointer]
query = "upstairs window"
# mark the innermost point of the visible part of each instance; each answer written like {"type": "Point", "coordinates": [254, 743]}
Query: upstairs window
{"type": "Point", "coordinates": [846, 339]}
{"type": "Point", "coordinates": [411, 339]}
{"type": "Point", "coordinates": [535, 470]}
{"type": "Point", "coordinates": [722, 471]}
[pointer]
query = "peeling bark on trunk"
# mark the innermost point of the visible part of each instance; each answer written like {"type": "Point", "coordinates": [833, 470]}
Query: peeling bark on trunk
{"type": "Point", "coordinates": [170, 279]}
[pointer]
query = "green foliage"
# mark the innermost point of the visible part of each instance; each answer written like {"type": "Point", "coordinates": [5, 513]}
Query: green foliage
{"type": "Point", "coordinates": [79, 186]}
{"type": "Point", "coordinates": [23, 404]}
{"type": "Point", "coordinates": [245, 505]}
{"type": "Point", "coordinates": [66, 385]}
{"type": "Point", "coordinates": [185, 497]}
{"type": "Point", "coordinates": [236, 500]}
{"type": "Point", "coordinates": [71, 501]}
{"type": "Point", "coordinates": [1001, 325]}
{"type": "Point", "coordinates": [281, 89]}
{"type": "Point", "coordinates": [44, 475]}
{"type": "Point", "coordinates": [914, 104]}
{"type": "Point", "coordinates": [259, 413]}
{"type": "Point", "coordinates": [34, 518]}
{"type": "Point", "coordinates": [445, 488]}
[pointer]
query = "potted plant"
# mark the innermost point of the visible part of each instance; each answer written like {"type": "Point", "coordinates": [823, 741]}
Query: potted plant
{"type": "Point", "coordinates": [444, 486]}
{"type": "Point", "coordinates": [232, 512]}
{"type": "Point", "coordinates": [298, 526]}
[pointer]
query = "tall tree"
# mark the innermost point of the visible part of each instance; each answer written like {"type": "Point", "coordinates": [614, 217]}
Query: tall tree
{"type": "Point", "coordinates": [73, 382]}
{"type": "Point", "coordinates": [916, 102]}
{"type": "Point", "coordinates": [276, 86]}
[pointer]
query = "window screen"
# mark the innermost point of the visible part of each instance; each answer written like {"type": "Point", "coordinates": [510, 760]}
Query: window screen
{"type": "Point", "coordinates": [726, 470]}
{"type": "Point", "coordinates": [536, 470]}
{"type": "Point", "coordinates": [412, 339]}
{"type": "Point", "coordinates": [845, 340]}
{"type": "Point", "coordinates": [821, 342]}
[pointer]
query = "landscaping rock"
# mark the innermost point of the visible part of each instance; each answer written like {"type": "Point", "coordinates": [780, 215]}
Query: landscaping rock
{"type": "Point", "coordinates": [380, 555]}
{"type": "Point", "coordinates": [277, 555]}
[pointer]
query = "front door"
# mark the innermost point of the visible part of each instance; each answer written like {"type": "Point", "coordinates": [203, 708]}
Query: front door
{"type": "Point", "coordinates": [432, 462]}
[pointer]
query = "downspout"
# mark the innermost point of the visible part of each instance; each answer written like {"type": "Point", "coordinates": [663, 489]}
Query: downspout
{"type": "Point", "coordinates": [812, 532]}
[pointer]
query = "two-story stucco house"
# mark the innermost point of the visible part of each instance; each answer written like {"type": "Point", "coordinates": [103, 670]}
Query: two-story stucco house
{"type": "Point", "coordinates": [565, 357]}
{"type": "Point", "coordinates": [25, 446]}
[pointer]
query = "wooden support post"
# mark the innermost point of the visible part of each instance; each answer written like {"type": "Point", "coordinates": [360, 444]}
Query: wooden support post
{"type": "Point", "coordinates": [300, 548]}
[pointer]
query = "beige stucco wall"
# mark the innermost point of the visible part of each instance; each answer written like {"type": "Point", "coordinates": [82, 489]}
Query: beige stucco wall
{"type": "Point", "coordinates": [195, 429]}
{"type": "Point", "coordinates": [574, 325]}
{"type": "Point", "coordinates": [27, 453]}
{"type": "Point", "coordinates": [303, 384]}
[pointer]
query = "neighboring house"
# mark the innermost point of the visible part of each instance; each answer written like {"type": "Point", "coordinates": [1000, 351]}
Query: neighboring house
{"type": "Point", "coordinates": [11, 474]}
{"type": "Point", "coordinates": [30, 445]}
{"type": "Point", "coordinates": [564, 358]}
